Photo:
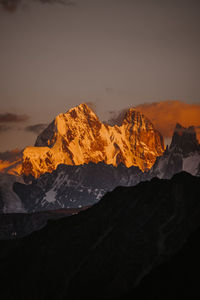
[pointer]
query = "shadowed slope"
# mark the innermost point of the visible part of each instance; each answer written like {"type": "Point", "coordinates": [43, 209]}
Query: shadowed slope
{"type": "Point", "coordinates": [106, 250]}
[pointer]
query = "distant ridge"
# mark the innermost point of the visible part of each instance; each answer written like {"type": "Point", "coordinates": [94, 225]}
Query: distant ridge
{"type": "Point", "coordinates": [182, 155]}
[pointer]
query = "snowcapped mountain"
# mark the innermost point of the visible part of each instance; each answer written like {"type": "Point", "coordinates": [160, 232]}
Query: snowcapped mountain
{"type": "Point", "coordinates": [182, 155]}
{"type": "Point", "coordinates": [78, 137]}
{"type": "Point", "coordinates": [74, 186]}
{"type": "Point", "coordinates": [79, 186]}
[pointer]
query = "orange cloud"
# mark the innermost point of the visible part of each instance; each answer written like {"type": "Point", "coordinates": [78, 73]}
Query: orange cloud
{"type": "Point", "coordinates": [166, 114]}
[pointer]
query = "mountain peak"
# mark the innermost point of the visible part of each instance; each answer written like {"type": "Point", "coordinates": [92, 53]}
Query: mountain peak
{"type": "Point", "coordinates": [184, 139]}
{"type": "Point", "coordinates": [137, 119]}
{"type": "Point", "coordinates": [64, 124]}
{"type": "Point", "coordinates": [81, 109]}
{"type": "Point", "coordinates": [78, 137]}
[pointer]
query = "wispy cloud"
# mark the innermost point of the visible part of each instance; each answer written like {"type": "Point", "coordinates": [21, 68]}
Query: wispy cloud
{"type": "Point", "coordinates": [37, 128]}
{"type": "Point", "coordinates": [116, 118]}
{"type": "Point", "coordinates": [4, 128]}
{"type": "Point", "coordinates": [13, 118]}
{"type": "Point", "coordinates": [12, 155]}
{"type": "Point", "coordinates": [166, 114]}
{"type": "Point", "coordinates": [12, 5]}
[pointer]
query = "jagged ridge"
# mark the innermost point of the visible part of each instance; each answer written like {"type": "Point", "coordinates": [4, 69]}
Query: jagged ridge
{"type": "Point", "coordinates": [78, 137]}
{"type": "Point", "coordinates": [74, 186]}
{"type": "Point", "coordinates": [182, 155]}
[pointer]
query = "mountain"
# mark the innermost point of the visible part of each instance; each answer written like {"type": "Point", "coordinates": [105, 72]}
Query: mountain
{"type": "Point", "coordinates": [176, 278]}
{"type": "Point", "coordinates": [79, 186]}
{"type": "Point", "coordinates": [182, 155]}
{"type": "Point", "coordinates": [78, 137]}
{"type": "Point", "coordinates": [106, 250]}
{"type": "Point", "coordinates": [74, 186]}
{"type": "Point", "coordinates": [16, 225]}
{"type": "Point", "coordinates": [9, 200]}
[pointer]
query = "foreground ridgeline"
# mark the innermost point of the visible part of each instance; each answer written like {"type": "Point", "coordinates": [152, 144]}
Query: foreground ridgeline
{"type": "Point", "coordinates": [107, 250]}
{"type": "Point", "coordinates": [78, 137]}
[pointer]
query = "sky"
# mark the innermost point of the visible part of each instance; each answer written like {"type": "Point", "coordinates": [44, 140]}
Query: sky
{"type": "Point", "coordinates": [112, 53]}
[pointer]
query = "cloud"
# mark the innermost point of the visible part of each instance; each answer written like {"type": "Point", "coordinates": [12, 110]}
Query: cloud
{"type": "Point", "coordinates": [9, 5]}
{"type": "Point", "coordinates": [4, 128]}
{"type": "Point", "coordinates": [166, 114]}
{"type": "Point", "coordinates": [37, 128]}
{"type": "Point", "coordinates": [11, 156]}
{"type": "Point", "coordinates": [12, 5]}
{"type": "Point", "coordinates": [13, 118]}
{"type": "Point", "coordinates": [116, 118]}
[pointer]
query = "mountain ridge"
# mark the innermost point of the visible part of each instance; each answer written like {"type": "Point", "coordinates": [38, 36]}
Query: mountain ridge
{"type": "Point", "coordinates": [106, 250]}
{"type": "Point", "coordinates": [78, 137]}
{"type": "Point", "coordinates": [182, 155]}
{"type": "Point", "coordinates": [74, 186]}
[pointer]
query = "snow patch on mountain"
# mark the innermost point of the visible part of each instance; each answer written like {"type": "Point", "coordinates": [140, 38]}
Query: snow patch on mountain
{"type": "Point", "coordinates": [191, 163]}
{"type": "Point", "coordinates": [72, 186]}
{"type": "Point", "coordinates": [50, 196]}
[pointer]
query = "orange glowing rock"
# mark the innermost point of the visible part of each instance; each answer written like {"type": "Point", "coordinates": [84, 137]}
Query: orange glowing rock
{"type": "Point", "coordinates": [78, 137]}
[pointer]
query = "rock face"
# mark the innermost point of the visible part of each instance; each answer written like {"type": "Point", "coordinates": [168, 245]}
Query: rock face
{"type": "Point", "coordinates": [74, 186]}
{"type": "Point", "coordinates": [77, 186]}
{"type": "Point", "coordinates": [9, 200]}
{"type": "Point", "coordinates": [78, 137]}
{"type": "Point", "coordinates": [106, 250]}
{"type": "Point", "coordinates": [182, 155]}
{"type": "Point", "coordinates": [185, 140]}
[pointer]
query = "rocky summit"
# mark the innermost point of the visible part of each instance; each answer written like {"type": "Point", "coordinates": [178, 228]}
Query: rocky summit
{"type": "Point", "coordinates": [78, 136]}
{"type": "Point", "coordinates": [182, 155]}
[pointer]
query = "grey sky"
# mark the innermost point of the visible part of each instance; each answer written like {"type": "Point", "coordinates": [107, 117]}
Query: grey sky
{"type": "Point", "coordinates": [115, 53]}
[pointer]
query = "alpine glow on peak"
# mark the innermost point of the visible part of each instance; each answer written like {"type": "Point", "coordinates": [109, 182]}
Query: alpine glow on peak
{"type": "Point", "coordinates": [78, 137]}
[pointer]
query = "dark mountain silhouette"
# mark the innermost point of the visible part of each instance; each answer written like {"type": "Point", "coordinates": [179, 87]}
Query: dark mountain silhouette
{"type": "Point", "coordinates": [108, 249]}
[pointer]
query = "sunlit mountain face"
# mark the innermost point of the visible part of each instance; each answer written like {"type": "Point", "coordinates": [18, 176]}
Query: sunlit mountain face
{"type": "Point", "coordinates": [74, 184]}
{"type": "Point", "coordinates": [79, 137]}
